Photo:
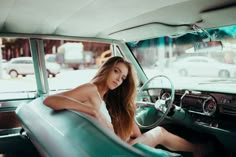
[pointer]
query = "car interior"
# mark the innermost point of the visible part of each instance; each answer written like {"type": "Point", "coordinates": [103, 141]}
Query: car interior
{"type": "Point", "coordinates": [196, 102]}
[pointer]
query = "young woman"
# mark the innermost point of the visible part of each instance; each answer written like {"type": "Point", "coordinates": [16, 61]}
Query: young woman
{"type": "Point", "coordinates": [113, 90]}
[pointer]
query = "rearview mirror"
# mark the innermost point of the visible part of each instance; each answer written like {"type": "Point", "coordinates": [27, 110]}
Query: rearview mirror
{"type": "Point", "coordinates": [207, 46]}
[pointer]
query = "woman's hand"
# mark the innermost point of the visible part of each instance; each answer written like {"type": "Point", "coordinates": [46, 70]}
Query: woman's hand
{"type": "Point", "coordinates": [102, 119]}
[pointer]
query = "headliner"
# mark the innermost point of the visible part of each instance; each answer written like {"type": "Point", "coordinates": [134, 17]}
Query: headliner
{"type": "Point", "coordinates": [127, 20]}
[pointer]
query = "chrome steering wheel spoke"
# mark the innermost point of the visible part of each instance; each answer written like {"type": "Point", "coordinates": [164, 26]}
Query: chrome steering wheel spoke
{"type": "Point", "coordinates": [162, 105]}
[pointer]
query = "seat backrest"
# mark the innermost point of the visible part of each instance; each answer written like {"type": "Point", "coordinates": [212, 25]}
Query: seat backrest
{"type": "Point", "coordinates": [69, 133]}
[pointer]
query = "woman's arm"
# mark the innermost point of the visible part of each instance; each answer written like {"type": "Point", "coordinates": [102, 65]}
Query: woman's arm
{"type": "Point", "coordinates": [61, 102]}
{"type": "Point", "coordinates": [72, 104]}
{"type": "Point", "coordinates": [102, 119]}
{"type": "Point", "coordinates": [135, 133]}
{"type": "Point", "coordinates": [73, 100]}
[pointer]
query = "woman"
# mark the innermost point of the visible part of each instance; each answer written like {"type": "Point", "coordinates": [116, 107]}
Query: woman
{"type": "Point", "coordinates": [115, 84]}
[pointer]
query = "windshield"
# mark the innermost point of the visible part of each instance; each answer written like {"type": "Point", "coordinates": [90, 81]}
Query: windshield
{"type": "Point", "coordinates": [204, 60]}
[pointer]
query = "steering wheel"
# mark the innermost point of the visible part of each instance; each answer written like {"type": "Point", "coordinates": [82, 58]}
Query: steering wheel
{"type": "Point", "coordinates": [162, 105]}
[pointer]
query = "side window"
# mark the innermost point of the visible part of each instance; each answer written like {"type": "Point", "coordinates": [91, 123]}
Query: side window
{"type": "Point", "coordinates": [68, 64]}
{"type": "Point", "coordinates": [16, 77]}
{"type": "Point", "coordinates": [76, 61]}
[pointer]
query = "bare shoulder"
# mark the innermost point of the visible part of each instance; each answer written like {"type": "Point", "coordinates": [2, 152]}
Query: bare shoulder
{"type": "Point", "coordinates": [87, 93]}
{"type": "Point", "coordinates": [87, 87]}
{"type": "Point", "coordinates": [84, 92]}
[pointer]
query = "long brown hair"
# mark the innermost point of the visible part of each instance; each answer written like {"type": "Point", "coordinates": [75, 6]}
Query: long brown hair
{"type": "Point", "coordinates": [120, 101]}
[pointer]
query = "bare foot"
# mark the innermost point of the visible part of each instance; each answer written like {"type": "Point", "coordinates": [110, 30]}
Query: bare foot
{"type": "Point", "coordinates": [200, 150]}
{"type": "Point", "coordinates": [203, 149]}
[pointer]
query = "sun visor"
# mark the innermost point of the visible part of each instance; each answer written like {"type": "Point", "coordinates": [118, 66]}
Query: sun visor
{"type": "Point", "coordinates": [216, 17]}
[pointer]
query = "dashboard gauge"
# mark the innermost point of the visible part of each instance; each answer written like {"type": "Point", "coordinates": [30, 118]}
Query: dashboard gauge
{"type": "Point", "coordinates": [225, 101]}
{"type": "Point", "coordinates": [165, 96]}
{"type": "Point", "coordinates": [209, 106]}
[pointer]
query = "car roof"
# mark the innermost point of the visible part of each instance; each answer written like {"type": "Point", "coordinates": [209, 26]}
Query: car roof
{"type": "Point", "coordinates": [128, 20]}
{"type": "Point", "coordinates": [21, 58]}
{"type": "Point", "coordinates": [198, 57]}
{"type": "Point", "coordinates": [191, 58]}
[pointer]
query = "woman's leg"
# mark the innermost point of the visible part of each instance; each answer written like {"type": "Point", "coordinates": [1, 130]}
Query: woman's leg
{"type": "Point", "coordinates": [161, 136]}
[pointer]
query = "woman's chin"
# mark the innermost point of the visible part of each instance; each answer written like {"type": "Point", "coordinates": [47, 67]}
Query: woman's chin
{"type": "Point", "coordinates": [112, 87]}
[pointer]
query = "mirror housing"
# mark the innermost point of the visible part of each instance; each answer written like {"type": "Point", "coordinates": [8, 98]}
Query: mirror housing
{"type": "Point", "coordinates": [208, 46]}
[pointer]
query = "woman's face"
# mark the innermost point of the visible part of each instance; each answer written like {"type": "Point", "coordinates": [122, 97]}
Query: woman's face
{"type": "Point", "coordinates": [117, 75]}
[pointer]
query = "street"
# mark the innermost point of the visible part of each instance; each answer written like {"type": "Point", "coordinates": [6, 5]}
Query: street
{"type": "Point", "coordinates": [66, 79]}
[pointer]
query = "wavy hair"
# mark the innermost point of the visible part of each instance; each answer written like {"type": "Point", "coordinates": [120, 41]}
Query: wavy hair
{"type": "Point", "coordinates": [119, 101]}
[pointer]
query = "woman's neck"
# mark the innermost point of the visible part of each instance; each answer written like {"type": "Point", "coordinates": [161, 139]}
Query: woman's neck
{"type": "Point", "coordinates": [102, 89]}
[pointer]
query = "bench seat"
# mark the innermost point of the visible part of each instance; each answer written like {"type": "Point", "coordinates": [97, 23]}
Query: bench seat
{"type": "Point", "coordinates": [72, 134]}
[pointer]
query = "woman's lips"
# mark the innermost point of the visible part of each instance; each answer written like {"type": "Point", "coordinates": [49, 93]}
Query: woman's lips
{"type": "Point", "coordinates": [115, 83]}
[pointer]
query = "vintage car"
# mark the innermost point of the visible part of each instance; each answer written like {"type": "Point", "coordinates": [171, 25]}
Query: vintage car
{"type": "Point", "coordinates": [24, 66]}
{"type": "Point", "coordinates": [201, 109]}
{"type": "Point", "coordinates": [193, 65]}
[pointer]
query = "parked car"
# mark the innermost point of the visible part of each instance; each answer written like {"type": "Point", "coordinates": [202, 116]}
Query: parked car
{"type": "Point", "coordinates": [24, 66]}
{"type": "Point", "coordinates": [204, 66]}
{"type": "Point", "coordinates": [4, 63]}
{"type": "Point", "coordinates": [71, 54]}
{"type": "Point", "coordinates": [51, 58]}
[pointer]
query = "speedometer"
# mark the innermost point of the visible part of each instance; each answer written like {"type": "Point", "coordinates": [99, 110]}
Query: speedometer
{"type": "Point", "coordinates": [165, 96]}
{"type": "Point", "coordinates": [209, 106]}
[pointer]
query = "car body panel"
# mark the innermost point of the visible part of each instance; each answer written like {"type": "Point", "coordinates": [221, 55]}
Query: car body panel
{"type": "Point", "coordinates": [24, 66]}
{"type": "Point", "coordinates": [194, 65]}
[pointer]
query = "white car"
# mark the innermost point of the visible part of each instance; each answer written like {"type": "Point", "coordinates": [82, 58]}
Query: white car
{"type": "Point", "coordinates": [204, 66]}
{"type": "Point", "coordinates": [50, 58]}
{"type": "Point", "coordinates": [4, 63]}
{"type": "Point", "coordinates": [24, 66]}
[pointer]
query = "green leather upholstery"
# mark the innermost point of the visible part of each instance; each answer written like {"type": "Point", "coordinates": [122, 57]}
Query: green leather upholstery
{"type": "Point", "coordinates": [154, 152]}
{"type": "Point", "coordinates": [72, 134]}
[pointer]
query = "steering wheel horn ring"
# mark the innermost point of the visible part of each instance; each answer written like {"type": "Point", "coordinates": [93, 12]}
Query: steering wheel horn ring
{"type": "Point", "coordinates": [162, 105]}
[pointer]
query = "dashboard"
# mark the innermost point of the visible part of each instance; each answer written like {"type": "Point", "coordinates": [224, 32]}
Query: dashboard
{"type": "Point", "coordinates": [207, 109]}
{"type": "Point", "coordinates": [212, 115]}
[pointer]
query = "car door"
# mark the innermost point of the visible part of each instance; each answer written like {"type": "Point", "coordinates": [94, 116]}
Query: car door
{"type": "Point", "coordinates": [17, 91]}
{"type": "Point", "coordinates": [208, 67]}
{"type": "Point", "coordinates": [13, 93]}
{"type": "Point", "coordinates": [27, 67]}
